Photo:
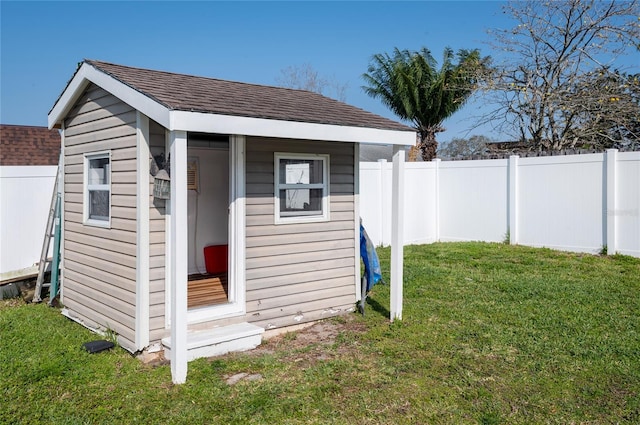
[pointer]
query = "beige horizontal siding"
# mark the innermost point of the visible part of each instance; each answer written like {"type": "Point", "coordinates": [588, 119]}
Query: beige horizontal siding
{"type": "Point", "coordinates": [307, 228]}
{"type": "Point", "coordinates": [94, 99]}
{"type": "Point", "coordinates": [72, 225]}
{"type": "Point", "coordinates": [269, 295]}
{"type": "Point", "coordinates": [298, 272]}
{"type": "Point", "coordinates": [80, 303]}
{"type": "Point", "coordinates": [302, 312]}
{"type": "Point", "coordinates": [104, 291]}
{"type": "Point", "coordinates": [264, 262]}
{"type": "Point", "coordinates": [100, 263]}
{"type": "Point", "coordinates": [292, 249]}
{"type": "Point", "coordinates": [102, 253]}
{"type": "Point", "coordinates": [122, 142]}
{"type": "Point", "coordinates": [102, 275]}
{"type": "Point", "coordinates": [315, 264]}
{"type": "Point", "coordinates": [267, 219]}
{"type": "Point", "coordinates": [114, 320]}
{"type": "Point", "coordinates": [285, 281]}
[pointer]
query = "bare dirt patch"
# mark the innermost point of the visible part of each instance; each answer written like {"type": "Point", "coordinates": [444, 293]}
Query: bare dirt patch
{"type": "Point", "coordinates": [318, 341]}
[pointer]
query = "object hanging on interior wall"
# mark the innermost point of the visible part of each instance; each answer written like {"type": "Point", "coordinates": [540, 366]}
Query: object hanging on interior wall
{"type": "Point", "coordinates": [162, 185]}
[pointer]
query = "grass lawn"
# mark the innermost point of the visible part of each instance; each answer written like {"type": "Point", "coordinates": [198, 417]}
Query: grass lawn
{"type": "Point", "coordinates": [491, 334]}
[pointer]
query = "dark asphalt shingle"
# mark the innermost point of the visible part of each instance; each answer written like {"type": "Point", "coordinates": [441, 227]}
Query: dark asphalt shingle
{"type": "Point", "coordinates": [209, 95]}
{"type": "Point", "coordinates": [28, 145]}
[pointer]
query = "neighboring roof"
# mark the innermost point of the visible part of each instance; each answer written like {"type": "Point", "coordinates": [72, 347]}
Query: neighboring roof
{"type": "Point", "coordinates": [374, 153]}
{"type": "Point", "coordinates": [28, 145]}
{"type": "Point", "coordinates": [177, 101]}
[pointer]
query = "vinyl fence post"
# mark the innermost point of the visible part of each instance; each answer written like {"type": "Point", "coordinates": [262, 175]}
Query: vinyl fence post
{"type": "Point", "coordinates": [397, 232]}
{"type": "Point", "coordinates": [384, 196]}
{"type": "Point", "coordinates": [610, 200]}
{"type": "Point", "coordinates": [436, 202]}
{"type": "Point", "coordinates": [512, 225]}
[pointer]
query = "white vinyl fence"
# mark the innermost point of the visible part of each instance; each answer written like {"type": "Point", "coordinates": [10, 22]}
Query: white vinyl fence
{"type": "Point", "coordinates": [580, 203]}
{"type": "Point", "coordinates": [25, 198]}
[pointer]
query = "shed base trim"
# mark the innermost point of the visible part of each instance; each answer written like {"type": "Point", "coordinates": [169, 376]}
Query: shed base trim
{"type": "Point", "coordinates": [218, 341]}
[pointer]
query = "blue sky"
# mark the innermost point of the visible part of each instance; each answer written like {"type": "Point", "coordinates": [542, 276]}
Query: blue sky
{"type": "Point", "coordinates": [42, 42]}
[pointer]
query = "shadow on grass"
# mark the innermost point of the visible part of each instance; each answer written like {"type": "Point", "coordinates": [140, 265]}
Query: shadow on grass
{"type": "Point", "coordinates": [379, 308]}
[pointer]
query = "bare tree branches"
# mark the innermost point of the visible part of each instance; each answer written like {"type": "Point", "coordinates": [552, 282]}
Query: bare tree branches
{"type": "Point", "coordinates": [460, 148]}
{"type": "Point", "coordinates": [556, 85]}
{"type": "Point", "coordinates": [305, 77]}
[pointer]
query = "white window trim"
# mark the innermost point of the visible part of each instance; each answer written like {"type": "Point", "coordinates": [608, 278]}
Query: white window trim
{"type": "Point", "coordinates": [301, 217]}
{"type": "Point", "coordinates": [85, 189]}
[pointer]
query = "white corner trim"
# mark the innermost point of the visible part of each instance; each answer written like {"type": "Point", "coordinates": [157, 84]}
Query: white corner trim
{"type": "Point", "coordinates": [60, 177]}
{"type": "Point", "coordinates": [179, 260]}
{"type": "Point", "coordinates": [142, 241]}
{"type": "Point", "coordinates": [227, 124]}
{"type": "Point", "coordinates": [237, 227]}
{"type": "Point", "coordinates": [168, 250]}
{"type": "Point", "coordinates": [87, 73]}
{"type": "Point", "coordinates": [356, 217]}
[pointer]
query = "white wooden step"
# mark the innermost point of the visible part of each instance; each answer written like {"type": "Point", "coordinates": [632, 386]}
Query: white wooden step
{"type": "Point", "coordinates": [219, 340]}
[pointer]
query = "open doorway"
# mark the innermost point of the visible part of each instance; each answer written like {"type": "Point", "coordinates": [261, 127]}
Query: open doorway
{"type": "Point", "coordinates": [208, 220]}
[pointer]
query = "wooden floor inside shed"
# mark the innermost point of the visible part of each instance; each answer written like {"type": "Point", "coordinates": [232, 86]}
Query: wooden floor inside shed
{"type": "Point", "coordinates": [205, 290]}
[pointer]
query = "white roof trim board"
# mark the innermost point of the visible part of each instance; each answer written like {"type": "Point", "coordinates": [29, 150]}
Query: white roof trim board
{"type": "Point", "coordinates": [179, 120]}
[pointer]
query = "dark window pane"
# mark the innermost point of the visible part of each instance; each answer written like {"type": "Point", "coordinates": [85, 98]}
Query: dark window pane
{"type": "Point", "coordinates": [99, 205]}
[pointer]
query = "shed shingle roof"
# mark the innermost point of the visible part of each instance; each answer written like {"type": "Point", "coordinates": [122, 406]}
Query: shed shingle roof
{"type": "Point", "coordinates": [208, 95]}
{"type": "Point", "coordinates": [28, 145]}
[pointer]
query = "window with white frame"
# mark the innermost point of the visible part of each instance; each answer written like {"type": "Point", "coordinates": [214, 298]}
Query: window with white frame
{"type": "Point", "coordinates": [301, 188]}
{"type": "Point", "coordinates": [97, 191]}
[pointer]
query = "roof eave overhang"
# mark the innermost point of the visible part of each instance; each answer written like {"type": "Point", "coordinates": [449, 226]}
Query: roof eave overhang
{"type": "Point", "coordinates": [177, 120]}
{"type": "Point", "coordinates": [262, 127]}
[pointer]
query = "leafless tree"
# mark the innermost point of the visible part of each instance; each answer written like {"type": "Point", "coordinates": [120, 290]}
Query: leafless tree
{"type": "Point", "coordinates": [560, 83]}
{"type": "Point", "coordinates": [305, 77]}
{"type": "Point", "coordinates": [460, 148]}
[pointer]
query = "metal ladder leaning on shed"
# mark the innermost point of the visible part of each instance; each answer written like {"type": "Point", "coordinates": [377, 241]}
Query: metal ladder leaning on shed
{"type": "Point", "coordinates": [52, 230]}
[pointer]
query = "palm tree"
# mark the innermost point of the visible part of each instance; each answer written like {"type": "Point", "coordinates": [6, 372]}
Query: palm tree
{"type": "Point", "coordinates": [410, 84]}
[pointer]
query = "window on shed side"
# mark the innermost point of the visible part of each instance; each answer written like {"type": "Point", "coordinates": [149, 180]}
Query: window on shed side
{"type": "Point", "coordinates": [302, 188]}
{"type": "Point", "coordinates": [98, 189]}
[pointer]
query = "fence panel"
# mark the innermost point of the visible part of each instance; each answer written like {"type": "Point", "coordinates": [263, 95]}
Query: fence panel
{"type": "Point", "coordinates": [579, 203]}
{"type": "Point", "coordinates": [372, 200]}
{"type": "Point", "coordinates": [420, 203]}
{"type": "Point", "coordinates": [25, 197]}
{"type": "Point", "coordinates": [627, 209]}
{"type": "Point", "coordinates": [473, 200]}
{"type": "Point", "coordinates": [560, 202]}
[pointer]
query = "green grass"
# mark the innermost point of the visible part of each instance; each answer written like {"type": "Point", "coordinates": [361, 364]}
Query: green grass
{"type": "Point", "coordinates": [491, 334]}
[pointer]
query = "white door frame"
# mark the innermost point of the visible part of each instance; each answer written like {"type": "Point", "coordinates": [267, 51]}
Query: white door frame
{"type": "Point", "coordinates": [236, 289]}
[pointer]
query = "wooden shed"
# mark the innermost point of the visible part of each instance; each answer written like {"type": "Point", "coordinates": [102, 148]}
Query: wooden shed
{"type": "Point", "coordinates": [199, 212]}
